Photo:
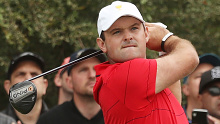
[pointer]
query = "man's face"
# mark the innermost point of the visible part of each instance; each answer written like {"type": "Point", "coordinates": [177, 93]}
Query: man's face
{"type": "Point", "coordinates": [194, 79]}
{"type": "Point", "coordinates": [125, 40]}
{"type": "Point", "coordinates": [211, 103]}
{"type": "Point", "coordinates": [26, 70]}
{"type": "Point", "coordinates": [82, 77]}
{"type": "Point", "coordinates": [63, 79]}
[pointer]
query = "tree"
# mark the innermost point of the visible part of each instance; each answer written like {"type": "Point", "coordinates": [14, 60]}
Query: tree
{"type": "Point", "coordinates": [56, 28]}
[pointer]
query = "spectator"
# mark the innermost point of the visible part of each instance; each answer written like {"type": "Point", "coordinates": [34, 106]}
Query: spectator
{"type": "Point", "coordinates": [209, 93]}
{"type": "Point", "coordinates": [23, 67]}
{"type": "Point", "coordinates": [64, 92]}
{"type": "Point", "coordinates": [4, 119]}
{"type": "Point", "coordinates": [129, 87]}
{"type": "Point", "coordinates": [82, 109]}
{"type": "Point", "coordinates": [191, 83]}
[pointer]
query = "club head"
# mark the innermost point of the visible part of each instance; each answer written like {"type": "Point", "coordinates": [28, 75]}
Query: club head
{"type": "Point", "coordinates": [22, 96]}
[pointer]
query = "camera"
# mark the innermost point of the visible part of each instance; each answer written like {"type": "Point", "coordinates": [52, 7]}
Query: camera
{"type": "Point", "coordinates": [199, 116]}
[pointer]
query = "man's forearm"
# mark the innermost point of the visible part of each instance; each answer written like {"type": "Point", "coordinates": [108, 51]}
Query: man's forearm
{"type": "Point", "coordinates": [181, 60]}
{"type": "Point", "coordinates": [180, 48]}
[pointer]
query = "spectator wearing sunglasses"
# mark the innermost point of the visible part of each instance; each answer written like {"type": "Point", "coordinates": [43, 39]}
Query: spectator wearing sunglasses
{"type": "Point", "coordinates": [209, 93]}
{"type": "Point", "coordinates": [190, 87]}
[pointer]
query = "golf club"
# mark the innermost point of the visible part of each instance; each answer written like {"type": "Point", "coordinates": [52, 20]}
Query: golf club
{"type": "Point", "coordinates": [22, 96]}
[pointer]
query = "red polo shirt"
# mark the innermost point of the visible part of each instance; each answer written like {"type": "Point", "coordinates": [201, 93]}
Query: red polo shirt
{"type": "Point", "coordinates": [126, 94]}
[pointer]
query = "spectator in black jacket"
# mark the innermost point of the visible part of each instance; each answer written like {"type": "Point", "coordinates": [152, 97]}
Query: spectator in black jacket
{"type": "Point", "coordinates": [23, 67]}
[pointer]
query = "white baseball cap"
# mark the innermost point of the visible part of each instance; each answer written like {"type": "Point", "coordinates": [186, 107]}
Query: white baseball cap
{"type": "Point", "coordinates": [109, 14]}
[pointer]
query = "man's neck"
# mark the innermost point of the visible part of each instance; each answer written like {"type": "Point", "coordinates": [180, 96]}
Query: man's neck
{"type": "Point", "coordinates": [192, 104]}
{"type": "Point", "coordinates": [33, 115]}
{"type": "Point", "coordinates": [64, 96]}
{"type": "Point", "coordinates": [86, 106]}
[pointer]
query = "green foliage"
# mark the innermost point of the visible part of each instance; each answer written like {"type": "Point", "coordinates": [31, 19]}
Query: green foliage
{"type": "Point", "coordinates": [56, 28]}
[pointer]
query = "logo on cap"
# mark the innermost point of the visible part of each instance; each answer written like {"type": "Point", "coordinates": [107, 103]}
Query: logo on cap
{"type": "Point", "coordinates": [118, 7]}
{"type": "Point", "coordinates": [215, 73]}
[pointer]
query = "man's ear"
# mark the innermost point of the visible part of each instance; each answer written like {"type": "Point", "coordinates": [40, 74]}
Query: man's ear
{"type": "Point", "coordinates": [200, 99]}
{"type": "Point", "coordinates": [147, 35]}
{"type": "Point", "coordinates": [69, 83]}
{"type": "Point", "coordinates": [7, 86]}
{"type": "Point", "coordinates": [185, 89]}
{"type": "Point", "coordinates": [57, 80]}
{"type": "Point", "coordinates": [101, 44]}
{"type": "Point", "coordinates": [45, 86]}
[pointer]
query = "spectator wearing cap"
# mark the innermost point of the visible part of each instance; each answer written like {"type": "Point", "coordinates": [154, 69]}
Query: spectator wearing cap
{"type": "Point", "coordinates": [82, 109]}
{"type": "Point", "coordinates": [64, 92]}
{"type": "Point", "coordinates": [209, 93]}
{"type": "Point", "coordinates": [191, 83]}
{"type": "Point", "coordinates": [23, 67]}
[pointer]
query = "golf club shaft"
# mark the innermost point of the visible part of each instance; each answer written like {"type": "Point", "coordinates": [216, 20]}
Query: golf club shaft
{"type": "Point", "coordinates": [68, 64]}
